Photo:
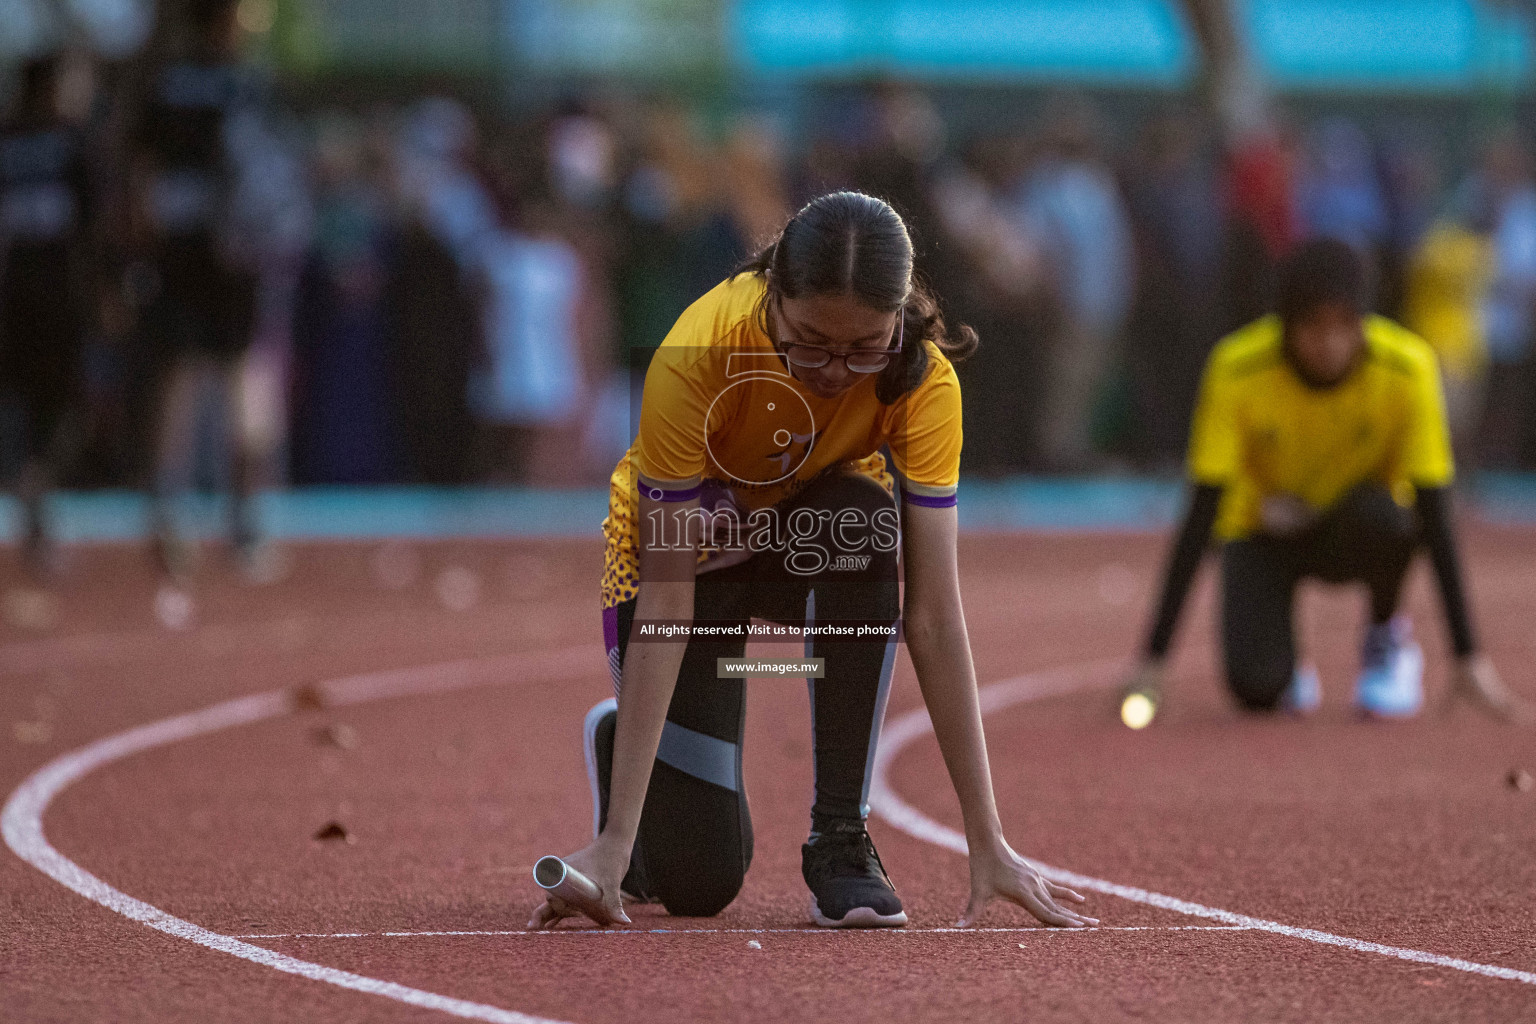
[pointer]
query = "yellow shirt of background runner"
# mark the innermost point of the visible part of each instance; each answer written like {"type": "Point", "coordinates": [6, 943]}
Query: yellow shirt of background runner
{"type": "Point", "coordinates": [1259, 430]}
{"type": "Point", "coordinates": [720, 404]}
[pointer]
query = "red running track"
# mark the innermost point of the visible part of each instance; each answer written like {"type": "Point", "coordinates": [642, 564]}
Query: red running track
{"type": "Point", "coordinates": [1404, 835]}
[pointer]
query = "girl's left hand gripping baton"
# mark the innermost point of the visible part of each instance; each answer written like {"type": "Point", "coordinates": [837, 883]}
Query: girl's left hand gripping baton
{"type": "Point", "coordinates": [558, 878]}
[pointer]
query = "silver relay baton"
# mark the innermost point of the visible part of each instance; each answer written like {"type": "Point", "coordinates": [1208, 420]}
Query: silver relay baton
{"type": "Point", "coordinates": [558, 878]}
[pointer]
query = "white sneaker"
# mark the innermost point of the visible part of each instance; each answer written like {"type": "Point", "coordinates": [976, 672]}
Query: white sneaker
{"type": "Point", "coordinates": [597, 731]}
{"type": "Point", "coordinates": [597, 747]}
{"type": "Point", "coordinates": [1391, 682]}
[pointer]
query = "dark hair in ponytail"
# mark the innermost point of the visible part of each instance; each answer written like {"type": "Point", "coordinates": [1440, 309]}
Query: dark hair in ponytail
{"type": "Point", "coordinates": [848, 243]}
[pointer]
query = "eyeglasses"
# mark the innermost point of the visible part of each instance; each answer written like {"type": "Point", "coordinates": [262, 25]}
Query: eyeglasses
{"type": "Point", "coordinates": [814, 357]}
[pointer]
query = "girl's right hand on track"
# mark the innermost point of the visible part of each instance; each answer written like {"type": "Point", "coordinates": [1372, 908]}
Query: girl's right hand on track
{"type": "Point", "coordinates": [600, 864]}
{"type": "Point", "coordinates": [997, 872]}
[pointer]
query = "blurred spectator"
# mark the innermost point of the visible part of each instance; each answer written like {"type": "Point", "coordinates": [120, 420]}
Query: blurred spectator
{"type": "Point", "coordinates": [534, 389]}
{"type": "Point", "coordinates": [1339, 194]}
{"type": "Point", "coordinates": [272, 209]}
{"type": "Point", "coordinates": [342, 389]}
{"type": "Point", "coordinates": [434, 337]}
{"type": "Point", "coordinates": [460, 295]}
{"type": "Point", "coordinates": [438, 178]}
{"type": "Point", "coordinates": [896, 154]}
{"type": "Point", "coordinates": [575, 196]}
{"type": "Point", "coordinates": [1414, 184]}
{"type": "Point", "coordinates": [202, 273]}
{"type": "Point", "coordinates": [582, 158]}
{"type": "Point", "coordinates": [753, 187]}
{"type": "Point", "coordinates": [1173, 205]}
{"type": "Point", "coordinates": [447, 219]}
{"type": "Point", "coordinates": [990, 270]}
{"type": "Point", "coordinates": [1071, 202]}
{"type": "Point", "coordinates": [1261, 221]}
{"type": "Point", "coordinates": [1504, 192]}
{"type": "Point", "coordinates": [46, 285]}
{"type": "Point", "coordinates": [676, 243]}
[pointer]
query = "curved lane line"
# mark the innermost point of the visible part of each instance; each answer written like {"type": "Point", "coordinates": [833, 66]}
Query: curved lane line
{"type": "Point", "coordinates": [1098, 675]}
{"type": "Point", "coordinates": [605, 932]}
{"type": "Point", "coordinates": [22, 818]}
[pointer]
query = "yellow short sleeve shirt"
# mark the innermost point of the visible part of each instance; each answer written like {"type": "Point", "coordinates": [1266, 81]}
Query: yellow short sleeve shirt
{"type": "Point", "coordinates": [720, 405]}
{"type": "Point", "coordinates": [1259, 430]}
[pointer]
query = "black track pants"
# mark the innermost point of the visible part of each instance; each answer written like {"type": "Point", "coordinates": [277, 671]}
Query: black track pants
{"type": "Point", "coordinates": [1367, 537]}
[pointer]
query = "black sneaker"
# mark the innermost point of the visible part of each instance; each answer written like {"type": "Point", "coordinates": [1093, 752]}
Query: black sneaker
{"type": "Point", "coordinates": [597, 745]}
{"type": "Point", "coordinates": [849, 886]}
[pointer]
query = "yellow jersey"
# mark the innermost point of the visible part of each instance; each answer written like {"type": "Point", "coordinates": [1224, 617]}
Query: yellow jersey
{"type": "Point", "coordinates": [1448, 278]}
{"type": "Point", "coordinates": [720, 405]}
{"type": "Point", "coordinates": [1260, 431]}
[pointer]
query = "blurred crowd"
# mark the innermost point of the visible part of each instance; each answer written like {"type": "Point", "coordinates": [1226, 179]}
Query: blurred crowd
{"type": "Point", "coordinates": [205, 284]}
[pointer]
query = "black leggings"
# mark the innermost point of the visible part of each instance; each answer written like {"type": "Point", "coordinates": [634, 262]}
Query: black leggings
{"type": "Point", "coordinates": [695, 837]}
{"type": "Point", "coordinates": [1367, 537]}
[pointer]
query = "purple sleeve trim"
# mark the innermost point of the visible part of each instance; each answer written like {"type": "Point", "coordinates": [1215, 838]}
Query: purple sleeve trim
{"type": "Point", "coordinates": [947, 501]}
{"type": "Point", "coordinates": [657, 494]}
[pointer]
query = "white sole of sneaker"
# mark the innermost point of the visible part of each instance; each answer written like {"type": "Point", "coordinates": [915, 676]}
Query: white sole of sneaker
{"type": "Point", "coordinates": [1413, 665]}
{"type": "Point", "coordinates": [858, 917]}
{"type": "Point", "coordinates": [589, 751]}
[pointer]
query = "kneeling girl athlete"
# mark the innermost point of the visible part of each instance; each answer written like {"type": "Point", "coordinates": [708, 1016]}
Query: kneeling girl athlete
{"type": "Point", "coordinates": [1319, 450]}
{"type": "Point", "coordinates": [769, 403]}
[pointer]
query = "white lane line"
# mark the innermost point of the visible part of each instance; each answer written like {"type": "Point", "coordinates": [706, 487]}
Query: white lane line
{"type": "Point", "coordinates": [1098, 675]}
{"type": "Point", "coordinates": [599, 932]}
{"type": "Point", "coordinates": [22, 818]}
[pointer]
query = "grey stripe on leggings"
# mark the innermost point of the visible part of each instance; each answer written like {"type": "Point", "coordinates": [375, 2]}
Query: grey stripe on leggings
{"type": "Point", "coordinates": [694, 753]}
